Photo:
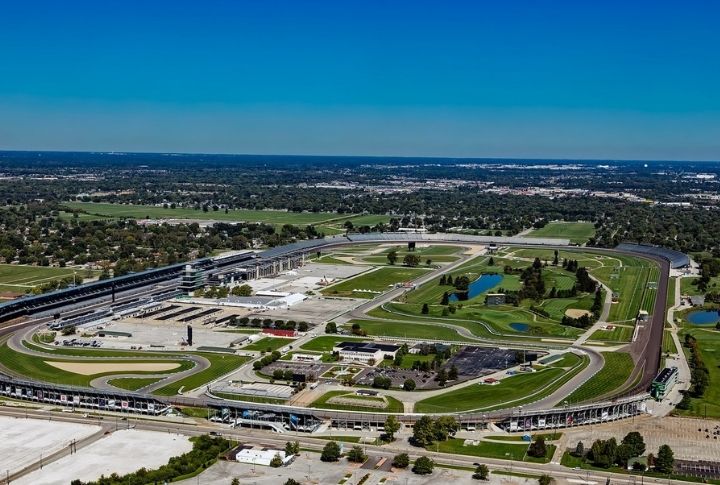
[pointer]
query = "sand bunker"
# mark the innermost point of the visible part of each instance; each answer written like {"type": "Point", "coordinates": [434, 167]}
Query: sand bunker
{"type": "Point", "coordinates": [90, 368]}
{"type": "Point", "coordinates": [574, 313]}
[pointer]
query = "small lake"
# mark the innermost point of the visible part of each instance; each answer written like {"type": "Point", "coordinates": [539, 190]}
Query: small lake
{"type": "Point", "coordinates": [481, 285]}
{"type": "Point", "coordinates": [704, 317]}
{"type": "Point", "coordinates": [520, 327]}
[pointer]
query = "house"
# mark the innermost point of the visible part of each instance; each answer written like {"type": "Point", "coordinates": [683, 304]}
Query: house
{"type": "Point", "coordinates": [697, 300]}
{"type": "Point", "coordinates": [262, 456]}
{"type": "Point", "coordinates": [299, 357]}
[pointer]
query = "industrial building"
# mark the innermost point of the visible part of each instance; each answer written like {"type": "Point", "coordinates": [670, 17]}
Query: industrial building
{"type": "Point", "coordinates": [365, 352]}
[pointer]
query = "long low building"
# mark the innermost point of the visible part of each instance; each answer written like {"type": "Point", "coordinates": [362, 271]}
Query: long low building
{"type": "Point", "coordinates": [365, 352]}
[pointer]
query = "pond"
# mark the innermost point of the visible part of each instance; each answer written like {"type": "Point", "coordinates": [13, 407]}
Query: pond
{"type": "Point", "coordinates": [704, 317]}
{"type": "Point", "coordinates": [520, 327]}
{"type": "Point", "coordinates": [481, 285]}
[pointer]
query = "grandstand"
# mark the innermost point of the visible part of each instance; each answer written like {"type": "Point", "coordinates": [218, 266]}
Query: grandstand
{"type": "Point", "coordinates": [676, 258]}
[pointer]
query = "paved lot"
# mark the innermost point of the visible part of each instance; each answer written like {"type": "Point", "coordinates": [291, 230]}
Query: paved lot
{"type": "Point", "coordinates": [121, 452]}
{"type": "Point", "coordinates": [24, 440]}
{"type": "Point", "coordinates": [168, 334]}
{"type": "Point", "coordinates": [308, 469]}
{"type": "Point", "coordinates": [681, 433]}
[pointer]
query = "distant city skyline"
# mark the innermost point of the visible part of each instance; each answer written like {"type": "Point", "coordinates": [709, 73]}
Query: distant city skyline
{"type": "Point", "coordinates": [521, 79]}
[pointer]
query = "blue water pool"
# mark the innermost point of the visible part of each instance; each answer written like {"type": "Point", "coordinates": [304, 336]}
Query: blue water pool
{"type": "Point", "coordinates": [481, 285]}
{"type": "Point", "coordinates": [704, 317]}
{"type": "Point", "coordinates": [520, 327]}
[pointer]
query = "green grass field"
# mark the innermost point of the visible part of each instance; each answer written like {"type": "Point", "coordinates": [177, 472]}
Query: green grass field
{"type": "Point", "coordinates": [401, 329]}
{"type": "Point", "coordinates": [577, 232]}
{"type": "Point", "coordinates": [485, 449]}
{"type": "Point", "coordinates": [20, 279]}
{"type": "Point", "coordinates": [708, 342]}
{"type": "Point", "coordinates": [220, 364]}
{"type": "Point", "coordinates": [325, 343]}
{"type": "Point", "coordinates": [630, 282]}
{"type": "Point", "coordinates": [35, 367]}
{"type": "Point", "coordinates": [668, 344]}
{"type": "Point", "coordinates": [688, 288]}
{"type": "Point", "coordinates": [101, 210]}
{"type": "Point", "coordinates": [617, 334]}
{"type": "Point", "coordinates": [268, 344]}
{"type": "Point", "coordinates": [371, 283]}
{"type": "Point", "coordinates": [618, 367]}
{"type": "Point", "coordinates": [393, 405]}
{"type": "Point", "coordinates": [512, 391]}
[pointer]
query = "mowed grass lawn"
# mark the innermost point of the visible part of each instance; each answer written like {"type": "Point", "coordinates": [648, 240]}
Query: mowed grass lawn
{"type": "Point", "coordinates": [220, 365]}
{"type": "Point", "coordinates": [326, 343]}
{"type": "Point", "coordinates": [618, 367]}
{"type": "Point", "coordinates": [408, 330]}
{"type": "Point", "coordinates": [20, 278]}
{"type": "Point", "coordinates": [617, 334]}
{"type": "Point", "coordinates": [577, 232]}
{"type": "Point", "coordinates": [367, 285]}
{"type": "Point", "coordinates": [37, 368]}
{"type": "Point", "coordinates": [481, 396]}
{"type": "Point", "coordinates": [268, 344]}
{"type": "Point", "coordinates": [630, 283]}
{"type": "Point", "coordinates": [708, 342]}
{"type": "Point", "coordinates": [246, 215]}
{"type": "Point", "coordinates": [486, 449]}
{"type": "Point", "coordinates": [392, 405]}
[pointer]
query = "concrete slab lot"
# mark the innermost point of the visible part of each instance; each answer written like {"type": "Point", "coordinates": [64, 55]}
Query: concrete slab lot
{"type": "Point", "coordinates": [167, 334]}
{"type": "Point", "coordinates": [23, 440]}
{"type": "Point", "coordinates": [121, 452]}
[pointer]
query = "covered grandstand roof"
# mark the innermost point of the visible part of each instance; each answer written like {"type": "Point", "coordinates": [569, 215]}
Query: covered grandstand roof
{"type": "Point", "coordinates": [676, 258]}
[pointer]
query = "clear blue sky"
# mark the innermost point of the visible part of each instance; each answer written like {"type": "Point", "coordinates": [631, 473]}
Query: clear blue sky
{"type": "Point", "coordinates": [567, 79]}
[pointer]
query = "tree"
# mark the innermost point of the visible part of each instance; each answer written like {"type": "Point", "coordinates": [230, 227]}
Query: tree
{"type": "Point", "coordinates": [441, 377]}
{"type": "Point", "coordinates": [291, 481]}
{"type": "Point", "coordinates": [401, 461]}
{"type": "Point", "coordinates": [392, 426]}
{"type": "Point", "coordinates": [411, 260]}
{"type": "Point", "coordinates": [235, 481]}
{"type": "Point", "coordinates": [445, 298]}
{"type": "Point", "coordinates": [423, 432]}
{"type": "Point", "coordinates": [445, 427]}
{"type": "Point", "coordinates": [276, 461]}
{"type": "Point", "coordinates": [242, 290]}
{"type": "Point", "coordinates": [330, 452]}
{"type": "Point", "coordinates": [425, 309]}
{"type": "Point", "coordinates": [491, 261]}
{"type": "Point", "coordinates": [423, 466]}
{"type": "Point", "coordinates": [481, 472]}
{"type": "Point", "coordinates": [303, 327]}
{"type": "Point", "coordinates": [538, 449]}
{"type": "Point", "coordinates": [545, 479]}
{"type": "Point", "coordinates": [356, 455]}
{"type": "Point", "coordinates": [292, 448]}
{"type": "Point", "coordinates": [635, 442]}
{"type": "Point", "coordinates": [382, 382]}
{"type": "Point", "coordinates": [453, 374]}
{"type": "Point", "coordinates": [409, 385]}
{"type": "Point", "coordinates": [665, 460]}
{"type": "Point", "coordinates": [330, 327]}
{"type": "Point", "coordinates": [580, 449]}
{"type": "Point", "coordinates": [392, 257]}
